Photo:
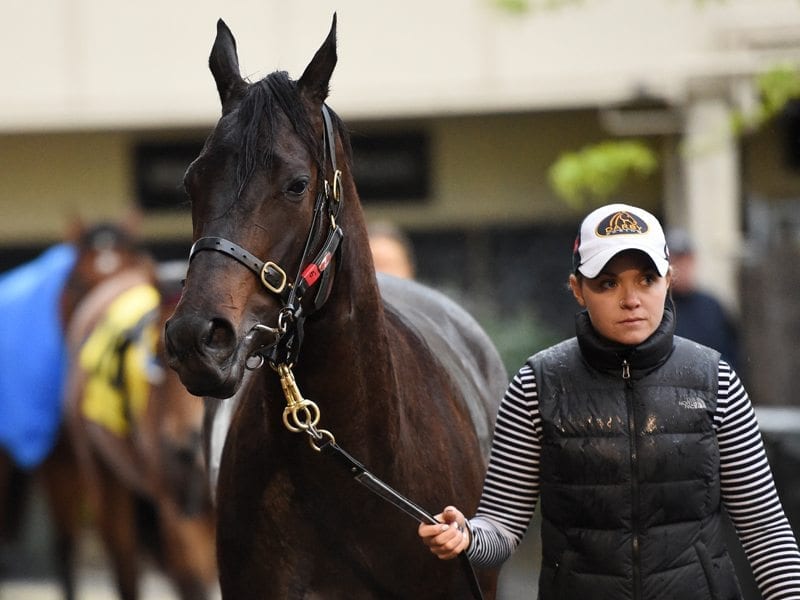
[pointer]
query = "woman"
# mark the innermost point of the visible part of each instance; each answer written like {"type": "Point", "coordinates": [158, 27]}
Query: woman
{"type": "Point", "coordinates": [632, 440]}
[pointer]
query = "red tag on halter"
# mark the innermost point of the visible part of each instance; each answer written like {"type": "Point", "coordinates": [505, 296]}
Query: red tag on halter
{"type": "Point", "coordinates": [311, 274]}
{"type": "Point", "coordinates": [326, 260]}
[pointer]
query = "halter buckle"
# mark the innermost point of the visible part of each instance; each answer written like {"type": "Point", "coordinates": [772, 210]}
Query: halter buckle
{"type": "Point", "coordinates": [271, 266]}
{"type": "Point", "coordinates": [337, 185]}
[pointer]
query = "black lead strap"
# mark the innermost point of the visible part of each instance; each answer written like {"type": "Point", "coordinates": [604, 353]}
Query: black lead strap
{"type": "Point", "coordinates": [380, 488]}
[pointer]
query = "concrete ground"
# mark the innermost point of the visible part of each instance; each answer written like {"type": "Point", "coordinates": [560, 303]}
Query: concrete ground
{"type": "Point", "coordinates": [94, 579]}
{"type": "Point", "coordinates": [93, 585]}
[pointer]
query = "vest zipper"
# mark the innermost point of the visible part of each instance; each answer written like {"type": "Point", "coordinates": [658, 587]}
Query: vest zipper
{"type": "Point", "coordinates": [634, 456]}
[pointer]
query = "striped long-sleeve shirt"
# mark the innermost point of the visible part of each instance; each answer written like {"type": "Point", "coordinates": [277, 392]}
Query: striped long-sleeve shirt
{"type": "Point", "coordinates": [511, 487]}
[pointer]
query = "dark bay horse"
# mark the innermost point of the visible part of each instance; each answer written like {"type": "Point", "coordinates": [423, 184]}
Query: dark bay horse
{"type": "Point", "coordinates": [133, 429]}
{"type": "Point", "coordinates": [283, 319]}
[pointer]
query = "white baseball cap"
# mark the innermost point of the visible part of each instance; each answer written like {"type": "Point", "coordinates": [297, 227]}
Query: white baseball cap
{"type": "Point", "coordinates": [611, 229]}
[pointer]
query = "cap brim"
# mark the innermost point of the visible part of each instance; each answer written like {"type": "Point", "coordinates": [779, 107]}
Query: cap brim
{"type": "Point", "coordinates": [592, 267]}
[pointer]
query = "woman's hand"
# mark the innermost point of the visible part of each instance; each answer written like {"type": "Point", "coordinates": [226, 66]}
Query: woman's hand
{"type": "Point", "coordinates": [448, 539]}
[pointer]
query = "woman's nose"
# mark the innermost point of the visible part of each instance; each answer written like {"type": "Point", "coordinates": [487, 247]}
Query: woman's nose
{"type": "Point", "coordinates": [629, 299]}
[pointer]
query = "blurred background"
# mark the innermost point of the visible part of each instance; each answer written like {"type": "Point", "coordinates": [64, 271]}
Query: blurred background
{"type": "Point", "coordinates": [484, 129]}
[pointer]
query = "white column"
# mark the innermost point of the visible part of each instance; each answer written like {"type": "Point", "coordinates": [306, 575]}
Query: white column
{"type": "Point", "coordinates": [710, 159]}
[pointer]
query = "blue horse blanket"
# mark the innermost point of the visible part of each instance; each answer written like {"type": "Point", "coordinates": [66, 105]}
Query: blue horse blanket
{"type": "Point", "coordinates": [33, 353]}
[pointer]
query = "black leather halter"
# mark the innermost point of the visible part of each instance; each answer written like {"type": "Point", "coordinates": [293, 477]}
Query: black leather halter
{"type": "Point", "coordinates": [311, 272]}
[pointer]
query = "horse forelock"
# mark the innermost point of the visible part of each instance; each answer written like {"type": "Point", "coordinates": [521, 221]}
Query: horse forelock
{"type": "Point", "coordinates": [258, 114]}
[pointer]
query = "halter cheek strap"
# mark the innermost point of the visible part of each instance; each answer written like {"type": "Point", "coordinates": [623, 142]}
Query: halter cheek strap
{"type": "Point", "coordinates": [319, 266]}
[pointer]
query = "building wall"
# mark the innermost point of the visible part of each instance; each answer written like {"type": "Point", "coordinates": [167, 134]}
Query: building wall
{"type": "Point", "coordinates": [93, 64]}
{"type": "Point", "coordinates": [486, 171]}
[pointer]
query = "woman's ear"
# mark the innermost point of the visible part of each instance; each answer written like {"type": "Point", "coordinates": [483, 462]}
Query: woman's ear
{"type": "Point", "coordinates": [577, 291]}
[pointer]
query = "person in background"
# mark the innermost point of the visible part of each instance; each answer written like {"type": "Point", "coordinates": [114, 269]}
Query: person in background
{"type": "Point", "coordinates": [699, 316]}
{"type": "Point", "coordinates": [392, 252]}
{"type": "Point", "coordinates": [631, 440]}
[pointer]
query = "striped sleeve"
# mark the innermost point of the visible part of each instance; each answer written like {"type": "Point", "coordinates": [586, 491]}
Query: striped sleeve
{"type": "Point", "coordinates": [749, 494]}
{"type": "Point", "coordinates": [511, 486]}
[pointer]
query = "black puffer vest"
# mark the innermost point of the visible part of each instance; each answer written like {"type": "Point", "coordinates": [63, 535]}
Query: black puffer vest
{"type": "Point", "coordinates": [630, 491]}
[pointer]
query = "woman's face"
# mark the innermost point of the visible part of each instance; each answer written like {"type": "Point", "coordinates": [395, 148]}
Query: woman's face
{"type": "Point", "coordinates": [626, 300]}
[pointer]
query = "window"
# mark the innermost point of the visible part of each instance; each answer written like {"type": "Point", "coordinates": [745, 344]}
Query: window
{"type": "Point", "coordinates": [391, 167]}
{"type": "Point", "coordinates": [159, 168]}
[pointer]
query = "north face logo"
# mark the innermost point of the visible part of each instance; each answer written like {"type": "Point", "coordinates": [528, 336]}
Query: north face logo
{"type": "Point", "coordinates": [693, 403]}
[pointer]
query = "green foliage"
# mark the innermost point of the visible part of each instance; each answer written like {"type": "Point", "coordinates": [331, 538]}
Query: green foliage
{"type": "Point", "coordinates": [596, 172]}
{"type": "Point", "coordinates": [517, 336]}
{"type": "Point", "coordinates": [775, 87]}
{"type": "Point", "coordinates": [523, 6]}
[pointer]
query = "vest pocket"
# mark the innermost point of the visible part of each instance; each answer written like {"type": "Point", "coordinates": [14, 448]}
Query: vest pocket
{"type": "Point", "coordinates": [720, 574]}
{"type": "Point", "coordinates": [563, 573]}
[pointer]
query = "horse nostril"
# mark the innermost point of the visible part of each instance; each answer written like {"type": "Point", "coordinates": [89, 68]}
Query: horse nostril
{"type": "Point", "coordinates": [190, 335]}
{"type": "Point", "coordinates": [220, 335]}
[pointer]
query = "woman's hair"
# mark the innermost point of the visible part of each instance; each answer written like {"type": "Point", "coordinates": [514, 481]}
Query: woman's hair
{"type": "Point", "coordinates": [580, 276]}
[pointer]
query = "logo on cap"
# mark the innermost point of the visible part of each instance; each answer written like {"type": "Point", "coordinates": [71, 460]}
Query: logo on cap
{"type": "Point", "coordinates": [621, 222]}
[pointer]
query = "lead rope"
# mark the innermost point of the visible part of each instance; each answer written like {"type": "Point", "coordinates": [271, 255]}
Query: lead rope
{"type": "Point", "coordinates": [302, 415]}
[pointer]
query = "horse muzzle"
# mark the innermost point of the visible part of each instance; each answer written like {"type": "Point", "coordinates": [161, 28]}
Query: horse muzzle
{"type": "Point", "coordinates": [208, 356]}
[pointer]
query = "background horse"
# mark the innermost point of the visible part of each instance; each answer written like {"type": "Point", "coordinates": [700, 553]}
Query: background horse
{"type": "Point", "coordinates": [134, 428]}
{"type": "Point", "coordinates": [38, 301]}
{"type": "Point", "coordinates": [31, 367]}
{"type": "Point", "coordinates": [281, 273]}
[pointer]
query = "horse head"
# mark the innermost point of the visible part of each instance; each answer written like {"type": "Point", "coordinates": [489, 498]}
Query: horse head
{"type": "Point", "coordinates": [103, 250]}
{"type": "Point", "coordinates": [265, 193]}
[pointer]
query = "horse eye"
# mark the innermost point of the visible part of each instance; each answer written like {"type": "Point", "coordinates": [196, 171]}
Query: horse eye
{"type": "Point", "coordinates": [298, 187]}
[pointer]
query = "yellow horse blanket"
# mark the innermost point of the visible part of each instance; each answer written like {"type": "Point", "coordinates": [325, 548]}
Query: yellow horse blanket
{"type": "Point", "coordinates": [118, 358]}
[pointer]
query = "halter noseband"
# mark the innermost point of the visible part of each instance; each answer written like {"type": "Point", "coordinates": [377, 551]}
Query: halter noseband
{"type": "Point", "coordinates": [274, 278]}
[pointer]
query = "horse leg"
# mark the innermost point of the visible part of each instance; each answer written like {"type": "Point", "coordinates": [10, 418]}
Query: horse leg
{"type": "Point", "coordinates": [188, 551]}
{"type": "Point", "coordinates": [6, 468]}
{"type": "Point", "coordinates": [14, 497]}
{"type": "Point", "coordinates": [14, 485]}
{"type": "Point", "coordinates": [116, 519]}
{"type": "Point", "coordinates": [6, 488]}
{"type": "Point", "coordinates": [59, 475]}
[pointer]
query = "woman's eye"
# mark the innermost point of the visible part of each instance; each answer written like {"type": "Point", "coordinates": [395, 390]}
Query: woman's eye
{"type": "Point", "coordinates": [607, 284]}
{"type": "Point", "coordinates": [298, 187]}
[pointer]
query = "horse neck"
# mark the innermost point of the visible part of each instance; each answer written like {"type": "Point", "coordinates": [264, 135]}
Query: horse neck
{"type": "Point", "coordinates": [345, 360]}
{"type": "Point", "coordinates": [354, 310]}
{"type": "Point", "coordinates": [353, 313]}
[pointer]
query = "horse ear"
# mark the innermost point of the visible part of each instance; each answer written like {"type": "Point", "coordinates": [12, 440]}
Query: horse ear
{"type": "Point", "coordinates": [313, 84]}
{"type": "Point", "coordinates": [224, 63]}
{"type": "Point", "coordinates": [131, 222]}
{"type": "Point", "coordinates": [74, 228]}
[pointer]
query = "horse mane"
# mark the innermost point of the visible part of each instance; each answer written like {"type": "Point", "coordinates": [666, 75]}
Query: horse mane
{"type": "Point", "coordinates": [258, 111]}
